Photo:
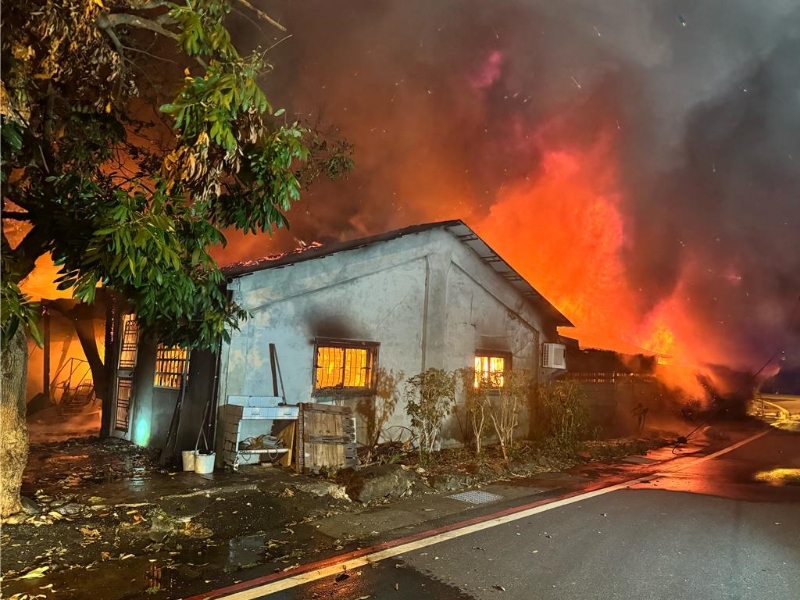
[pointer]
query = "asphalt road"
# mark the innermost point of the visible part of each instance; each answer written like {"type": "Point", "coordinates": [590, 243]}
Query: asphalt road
{"type": "Point", "coordinates": [789, 403]}
{"type": "Point", "coordinates": [781, 410]}
{"type": "Point", "coordinates": [723, 528]}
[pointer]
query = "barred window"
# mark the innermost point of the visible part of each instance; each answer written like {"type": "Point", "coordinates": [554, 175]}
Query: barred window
{"type": "Point", "coordinates": [490, 368]}
{"type": "Point", "coordinates": [171, 363]}
{"type": "Point", "coordinates": [345, 365]}
{"type": "Point", "coordinates": [130, 342]}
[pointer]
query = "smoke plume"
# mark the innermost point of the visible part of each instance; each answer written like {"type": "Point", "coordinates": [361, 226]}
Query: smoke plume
{"type": "Point", "coordinates": [638, 162]}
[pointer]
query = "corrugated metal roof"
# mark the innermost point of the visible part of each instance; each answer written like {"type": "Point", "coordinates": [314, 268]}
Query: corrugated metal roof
{"type": "Point", "coordinates": [457, 228]}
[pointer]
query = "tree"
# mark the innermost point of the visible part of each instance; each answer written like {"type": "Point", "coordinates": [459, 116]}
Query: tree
{"type": "Point", "coordinates": [133, 134]}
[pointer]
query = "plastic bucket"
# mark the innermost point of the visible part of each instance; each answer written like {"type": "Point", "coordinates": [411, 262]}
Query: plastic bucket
{"type": "Point", "coordinates": [188, 457]}
{"type": "Point", "coordinates": [204, 463]}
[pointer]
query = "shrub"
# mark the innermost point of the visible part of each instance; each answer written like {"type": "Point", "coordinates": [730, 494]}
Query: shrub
{"type": "Point", "coordinates": [429, 399]}
{"type": "Point", "coordinates": [511, 393]}
{"type": "Point", "coordinates": [563, 414]}
{"type": "Point", "coordinates": [476, 403]}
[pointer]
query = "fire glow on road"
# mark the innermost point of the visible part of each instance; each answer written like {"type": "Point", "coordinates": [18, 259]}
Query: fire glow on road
{"type": "Point", "coordinates": [270, 584]}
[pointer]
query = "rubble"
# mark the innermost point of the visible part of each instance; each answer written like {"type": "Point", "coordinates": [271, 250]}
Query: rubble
{"type": "Point", "coordinates": [379, 482]}
{"type": "Point", "coordinates": [322, 489]}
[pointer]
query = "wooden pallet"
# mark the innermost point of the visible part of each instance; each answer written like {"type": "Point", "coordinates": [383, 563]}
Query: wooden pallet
{"type": "Point", "coordinates": [326, 437]}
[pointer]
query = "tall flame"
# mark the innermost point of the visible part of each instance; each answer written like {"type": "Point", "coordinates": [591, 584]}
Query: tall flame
{"type": "Point", "coordinates": [564, 230]}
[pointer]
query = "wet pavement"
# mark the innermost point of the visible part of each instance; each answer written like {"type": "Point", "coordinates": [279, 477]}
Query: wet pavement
{"type": "Point", "coordinates": [703, 528]}
{"type": "Point", "coordinates": [145, 532]}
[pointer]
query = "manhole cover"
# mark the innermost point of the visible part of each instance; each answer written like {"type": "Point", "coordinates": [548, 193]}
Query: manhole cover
{"type": "Point", "coordinates": [476, 497]}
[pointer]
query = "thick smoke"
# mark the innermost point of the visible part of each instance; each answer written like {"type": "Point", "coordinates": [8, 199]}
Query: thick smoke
{"type": "Point", "coordinates": [455, 106]}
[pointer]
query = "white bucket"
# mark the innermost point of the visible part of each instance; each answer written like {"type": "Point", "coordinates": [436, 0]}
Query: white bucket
{"type": "Point", "coordinates": [204, 463]}
{"type": "Point", "coordinates": [188, 459]}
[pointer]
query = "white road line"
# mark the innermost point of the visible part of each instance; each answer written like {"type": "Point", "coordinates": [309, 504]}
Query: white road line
{"type": "Point", "coordinates": [354, 563]}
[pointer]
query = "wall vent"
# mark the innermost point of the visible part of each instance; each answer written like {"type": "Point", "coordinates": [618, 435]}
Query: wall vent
{"type": "Point", "coordinates": [553, 356]}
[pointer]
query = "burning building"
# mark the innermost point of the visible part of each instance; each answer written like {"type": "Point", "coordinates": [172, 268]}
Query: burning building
{"type": "Point", "coordinates": [338, 315]}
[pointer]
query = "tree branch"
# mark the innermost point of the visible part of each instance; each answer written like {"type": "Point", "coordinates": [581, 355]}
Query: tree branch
{"type": "Point", "coordinates": [147, 4]}
{"type": "Point", "coordinates": [112, 20]}
{"type": "Point", "coordinates": [262, 15]}
{"type": "Point", "coordinates": [22, 259]}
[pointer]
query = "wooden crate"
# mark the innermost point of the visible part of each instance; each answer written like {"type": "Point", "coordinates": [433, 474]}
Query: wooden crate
{"type": "Point", "coordinates": [326, 437]}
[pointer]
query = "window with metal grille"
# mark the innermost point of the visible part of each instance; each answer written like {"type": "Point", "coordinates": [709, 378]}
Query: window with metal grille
{"type": "Point", "coordinates": [344, 365]}
{"type": "Point", "coordinates": [130, 342]}
{"type": "Point", "coordinates": [490, 368]}
{"type": "Point", "coordinates": [122, 417]}
{"type": "Point", "coordinates": [171, 363]}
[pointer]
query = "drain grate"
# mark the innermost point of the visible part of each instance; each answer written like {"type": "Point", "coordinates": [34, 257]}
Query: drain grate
{"type": "Point", "coordinates": [476, 497]}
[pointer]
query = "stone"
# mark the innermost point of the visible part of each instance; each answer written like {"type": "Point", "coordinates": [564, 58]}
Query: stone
{"type": "Point", "coordinates": [30, 507]}
{"type": "Point", "coordinates": [322, 489]}
{"type": "Point", "coordinates": [380, 481]}
{"type": "Point", "coordinates": [438, 482]}
{"type": "Point", "coordinates": [70, 510]}
{"type": "Point", "coordinates": [446, 483]}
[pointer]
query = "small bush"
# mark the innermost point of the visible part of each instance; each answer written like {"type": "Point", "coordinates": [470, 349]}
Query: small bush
{"type": "Point", "coordinates": [511, 392]}
{"type": "Point", "coordinates": [476, 403]}
{"type": "Point", "coordinates": [429, 399]}
{"type": "Point", "coordinates": [564, 417]}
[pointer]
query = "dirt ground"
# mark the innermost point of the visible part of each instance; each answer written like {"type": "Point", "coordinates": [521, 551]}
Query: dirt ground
{"type": "Point", "coordinates": [104, 520]}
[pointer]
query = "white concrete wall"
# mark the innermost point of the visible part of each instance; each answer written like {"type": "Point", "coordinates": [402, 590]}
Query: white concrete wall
{"type": "Point", "coordinates": [426, 298]}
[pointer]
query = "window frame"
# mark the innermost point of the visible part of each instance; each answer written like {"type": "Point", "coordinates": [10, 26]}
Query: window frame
{"type": "Point", "coordinates": [184, 372]}
{"type": "Point", "coordinates": [129, 343]}
{"type": "Point", "coordinates": [372, 349]}
{"type": "Point", "coordinates": [507, 362]}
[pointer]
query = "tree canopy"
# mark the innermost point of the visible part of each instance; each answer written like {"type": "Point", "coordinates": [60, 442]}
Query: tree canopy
{"type": "Point", "coordinates": [133, 134]}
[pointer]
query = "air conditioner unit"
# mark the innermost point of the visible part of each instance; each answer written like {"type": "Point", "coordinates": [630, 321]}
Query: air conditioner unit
{"type": "Point", "coordinates": [553, 356]}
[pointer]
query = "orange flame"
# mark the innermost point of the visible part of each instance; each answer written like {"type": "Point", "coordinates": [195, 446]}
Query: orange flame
{"type": "Point", "coordinates": [564, 231]}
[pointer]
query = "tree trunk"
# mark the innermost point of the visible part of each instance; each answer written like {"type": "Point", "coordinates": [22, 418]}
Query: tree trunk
{"type": "Point", "coordinates": [82, 318]}
{"type": "Point", "coordinates": [13, 425]}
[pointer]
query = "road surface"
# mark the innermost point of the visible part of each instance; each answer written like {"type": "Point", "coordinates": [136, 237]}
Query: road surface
{"type": "Point", "coordinates": [724, 527]}
{"type": "Point", "coordinates": [781, 410]}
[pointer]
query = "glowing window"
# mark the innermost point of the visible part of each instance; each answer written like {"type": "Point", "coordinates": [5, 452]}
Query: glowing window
{"type": "Point", "coordinates": [345, 365]}
{"type": "Point", "coordinates": [490, 368]}
{"type": "Point", "coordinates": [130, 343]}
{"type": "Point", "coordinates": [171, 364]}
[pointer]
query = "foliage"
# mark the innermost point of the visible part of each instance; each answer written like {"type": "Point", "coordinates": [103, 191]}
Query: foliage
{"type": "Point", "coordinates": [133, 134]}
{"type": "Point", "coordinates": [429, 397]}
{"type": "Point", "coordinates": [476, 403]}
{"type": "Point", "coordinates": [512, 391]}
{"type": "Point", "coordinates": [18, 309]}
{"type": "Point", "coordinates": [561, 408]}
